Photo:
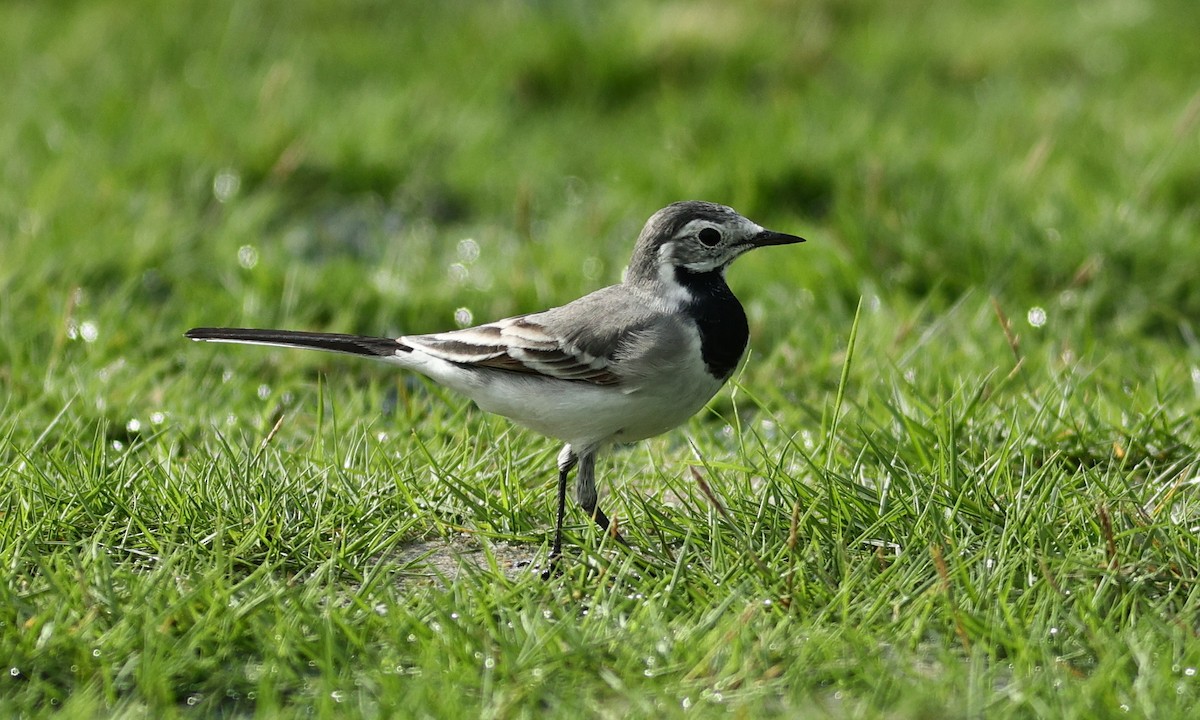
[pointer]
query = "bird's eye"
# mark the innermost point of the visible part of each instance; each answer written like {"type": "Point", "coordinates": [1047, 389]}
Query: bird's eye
{"type": "Point", "coordinates": [710, 236]}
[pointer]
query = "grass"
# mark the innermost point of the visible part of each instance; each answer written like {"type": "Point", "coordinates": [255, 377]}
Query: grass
{"type": "Point", "coordinates": [981, 502]}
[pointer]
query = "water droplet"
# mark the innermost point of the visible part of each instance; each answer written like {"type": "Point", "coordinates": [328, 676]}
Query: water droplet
{"type": "Point", "coordinates": [468, 250]}
{"type": "Point", "coordinates": [157, 417]}
{"type": "Point", "coordinates": [14, 671]}
{"type": "Point", "coordinates": [1036, 316]}
{"type": "Point", "coordinates": [88, 331]}
{"type": "Point", "coordinates": [463, 317]}
{"type": "Point", "coordinates": [337, 696]}
{"type": "Point", "coordinates": [134, 425]}
{"type": "Point", "coordinates": [264, 392]}
{"type": "Point", "coordinates": [489, 663]}
{"type": "Point", "coordinates": [458, 272]}
{"type": "Point", "coordinates": [1190, 672]}
{"type": "Point", "coordinates": [247, 256]}
{"type": "Point", "coordinates": [226, 184]}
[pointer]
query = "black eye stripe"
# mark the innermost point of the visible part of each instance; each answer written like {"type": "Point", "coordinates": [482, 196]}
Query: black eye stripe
{"type": "Point", "coordinates": [710, 236]}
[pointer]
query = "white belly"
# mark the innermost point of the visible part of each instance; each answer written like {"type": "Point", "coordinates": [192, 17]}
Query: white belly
{"type": "Point", "coordinates": [583, 414]}
{"type": "Point", "coordinates": [579, 413]}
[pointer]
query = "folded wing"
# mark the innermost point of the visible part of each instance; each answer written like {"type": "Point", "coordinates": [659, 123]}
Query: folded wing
{"type": "Point", "coordinates": [518, 344]}
{"type": "Point", "coordinates": [599, 339]}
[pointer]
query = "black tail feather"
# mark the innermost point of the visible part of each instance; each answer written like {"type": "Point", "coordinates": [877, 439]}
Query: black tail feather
{"type": "Point", "coordinates": [331, 342]}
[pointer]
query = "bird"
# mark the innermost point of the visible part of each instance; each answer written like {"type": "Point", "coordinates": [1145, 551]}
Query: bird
{"type": "Point", "coordinates": [621, 364]}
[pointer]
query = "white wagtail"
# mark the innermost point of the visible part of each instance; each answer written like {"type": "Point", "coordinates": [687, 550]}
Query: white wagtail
{"type": "Point", "coordinates": [621, 364]}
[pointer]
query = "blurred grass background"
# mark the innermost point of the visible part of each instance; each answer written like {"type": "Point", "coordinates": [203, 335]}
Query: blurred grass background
{"type": "Point", "coordinates": [391, 168]}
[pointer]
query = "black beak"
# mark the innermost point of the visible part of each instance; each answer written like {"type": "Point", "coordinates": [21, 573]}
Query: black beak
{"type": "Point", "coordinates": [770, 237]}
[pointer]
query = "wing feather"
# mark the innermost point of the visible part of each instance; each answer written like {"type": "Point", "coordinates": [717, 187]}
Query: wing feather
{"type": "Point", "coordinates": [518, 345]}
{"type": "Point", "coordinates": [615, 335]}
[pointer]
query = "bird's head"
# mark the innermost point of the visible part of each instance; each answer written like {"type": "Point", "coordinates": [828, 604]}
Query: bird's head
{"type": "Point", "coordinates": [698, 237]}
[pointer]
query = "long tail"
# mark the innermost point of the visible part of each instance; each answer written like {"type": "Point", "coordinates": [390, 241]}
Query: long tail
{"type": "Point", "coordinates": [330, 342]}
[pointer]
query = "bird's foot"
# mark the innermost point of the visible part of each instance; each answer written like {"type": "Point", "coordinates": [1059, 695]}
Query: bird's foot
{"type": "Point", "coordinates": [551, 571]}
{"type": "Point", "coordinates": [552, 567]}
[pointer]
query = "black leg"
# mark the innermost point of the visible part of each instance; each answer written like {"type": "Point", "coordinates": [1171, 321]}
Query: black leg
{"type": "Point", "coordinates": [585, 492]}
{"type": "Point", "coordinates": [556, 549]}
{"type": "Point", "coordinates": [566, 460]}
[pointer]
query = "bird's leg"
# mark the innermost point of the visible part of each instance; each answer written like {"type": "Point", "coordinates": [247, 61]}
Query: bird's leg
{"type": "Point", "coordinates": [585, 492]}
{"type": "Point", "coordinates": [566, 460]}
{"type": "Point", "coordinates": [585, 488]}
